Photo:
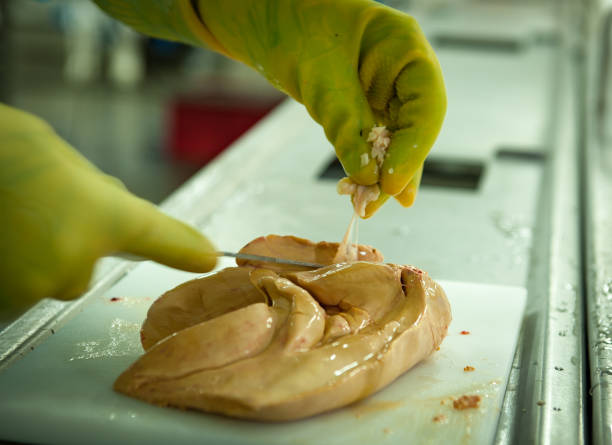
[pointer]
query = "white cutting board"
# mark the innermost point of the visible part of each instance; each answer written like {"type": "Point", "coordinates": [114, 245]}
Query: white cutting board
{"type": "Point", "coordinates": [61, 392]}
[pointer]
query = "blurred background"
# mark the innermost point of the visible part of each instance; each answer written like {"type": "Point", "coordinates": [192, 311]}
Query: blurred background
{"type": "Point", "coordinates": [148, 111]}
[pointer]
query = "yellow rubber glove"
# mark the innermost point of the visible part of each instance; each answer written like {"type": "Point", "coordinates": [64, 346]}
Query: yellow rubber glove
{"type": "Point", "coordinates": [354, 64]}
{"type": "Point", "coordinates": [60, 214]}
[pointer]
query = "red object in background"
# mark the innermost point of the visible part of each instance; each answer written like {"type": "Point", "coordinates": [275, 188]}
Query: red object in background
{"type": "Point", "coordinates": [202, 128]}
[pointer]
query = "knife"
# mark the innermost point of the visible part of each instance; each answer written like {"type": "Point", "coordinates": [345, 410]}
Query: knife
{"type": "Point", "coordinates": [269, 259]}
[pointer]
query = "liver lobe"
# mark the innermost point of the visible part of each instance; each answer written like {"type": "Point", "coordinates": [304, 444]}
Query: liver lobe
{"type": "Point", "coordinates": [283, 344]}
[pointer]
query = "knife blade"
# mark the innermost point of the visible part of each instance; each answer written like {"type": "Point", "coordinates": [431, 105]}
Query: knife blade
{"type": "Point", "coordinates": [269, 259]}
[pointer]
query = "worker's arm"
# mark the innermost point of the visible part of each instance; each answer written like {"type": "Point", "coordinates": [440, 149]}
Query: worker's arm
{"type": "Point", "coordinates": [354, 64]}
{"type": "Point", "coordinates": [59, 214]}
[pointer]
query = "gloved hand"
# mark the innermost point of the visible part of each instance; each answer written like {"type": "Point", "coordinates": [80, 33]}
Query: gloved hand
{"type": "Point", "coordinates": [60, 214]}
{"type": "Point", "coordinates": [354, 64]}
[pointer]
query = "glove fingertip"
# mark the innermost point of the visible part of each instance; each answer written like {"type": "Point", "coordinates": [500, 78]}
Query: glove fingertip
{"type": "Point", "coordinates": [393, 183]}
{"type": "Point", "coordinates": [373, 206]}
{"type": "Point", "coordinates": [366, 175]}
{"type": "Point", "coordinates": [202, 258]}
{"type": "Point", "coordinates": [355, 155]}
{"type": "Point", "coordinates": [168, 241]}
{"type": "Point", "coordinates": [407, 197]}
{"type": "Point", "coordinates": [185, 248]}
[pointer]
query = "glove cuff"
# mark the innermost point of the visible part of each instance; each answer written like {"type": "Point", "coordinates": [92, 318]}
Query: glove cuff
{"type": "Point", "coordinates": [175, 20]}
